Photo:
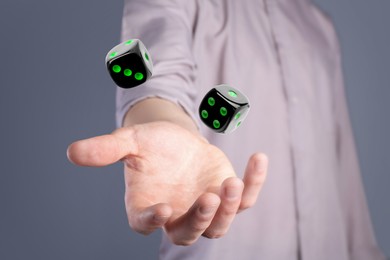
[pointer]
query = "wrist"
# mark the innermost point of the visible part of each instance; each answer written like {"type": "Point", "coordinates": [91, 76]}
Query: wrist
{"type": "Point", "coordinates": [157, 109]}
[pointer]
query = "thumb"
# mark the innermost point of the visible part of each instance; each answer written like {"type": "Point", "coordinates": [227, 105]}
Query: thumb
{"type": "Point", "coordinates": [103, 150]}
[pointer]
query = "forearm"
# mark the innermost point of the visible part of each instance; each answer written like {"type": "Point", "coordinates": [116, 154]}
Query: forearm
{"type": "Point", "coordinates": [157, 109]}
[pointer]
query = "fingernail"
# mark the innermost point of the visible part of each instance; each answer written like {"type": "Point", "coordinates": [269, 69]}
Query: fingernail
{"type": "Point", "coordinates": [206, 210]}
{"type": "Point", "coordinates": [261, 163]}
{"type": "Point", "coordinates": [232, 193]}
{"type": "Point", "coordinates": [159, 218]}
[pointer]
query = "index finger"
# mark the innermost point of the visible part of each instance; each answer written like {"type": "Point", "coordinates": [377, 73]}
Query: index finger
{"type": "Point", "coordinates": [105, 149]}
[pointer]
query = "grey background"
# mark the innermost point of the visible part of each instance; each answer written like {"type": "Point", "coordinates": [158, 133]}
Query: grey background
{"type": "Point", "coordinates": [54, 89]}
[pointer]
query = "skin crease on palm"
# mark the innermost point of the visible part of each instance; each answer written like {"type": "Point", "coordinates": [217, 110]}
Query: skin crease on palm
{"type": "Point", "coordinates": [174, 179]}
{"type": "Point", "coordinates": [165, 172]}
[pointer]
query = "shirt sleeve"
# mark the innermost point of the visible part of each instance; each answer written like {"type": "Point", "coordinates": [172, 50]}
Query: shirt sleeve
{"type": "Point", "coordinates": [165, 27]}
{"type": "Point", "coordinates": [361, 238]}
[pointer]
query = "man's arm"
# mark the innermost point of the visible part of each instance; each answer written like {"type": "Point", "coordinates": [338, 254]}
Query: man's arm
{"type": "Point", "coordinates": [174, 178]}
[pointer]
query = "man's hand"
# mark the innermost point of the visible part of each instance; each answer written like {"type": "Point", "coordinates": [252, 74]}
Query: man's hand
{"type": "Point", "coordinates": [174, 179]}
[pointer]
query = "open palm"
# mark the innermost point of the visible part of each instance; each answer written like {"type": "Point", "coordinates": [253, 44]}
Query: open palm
{"type": "Point", "coordinates": [174, 179]}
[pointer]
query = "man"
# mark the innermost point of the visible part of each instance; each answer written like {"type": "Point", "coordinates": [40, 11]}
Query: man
{"type": "Point", "coordinates": [283, 54]}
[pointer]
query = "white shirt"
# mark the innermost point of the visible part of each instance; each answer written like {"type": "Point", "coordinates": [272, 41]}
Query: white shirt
{"type": "Point", "coordinates": [284, 55]}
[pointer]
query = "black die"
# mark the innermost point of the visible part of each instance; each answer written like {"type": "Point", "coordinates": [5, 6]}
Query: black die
{"type": "Point", "coordinates": [223, 109]}
{"type": "Point", "coordinates": [129, 64]}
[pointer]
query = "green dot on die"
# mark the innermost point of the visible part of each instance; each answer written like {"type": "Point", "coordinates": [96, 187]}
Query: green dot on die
{"type": "Point", "coordinates": [211, 101]}
{"type": "Point", "coordinates": [216, 124]}
{"type": "Point", "coordinates": [112, 55]}
{"type": "Point", "coordinates": [128, 42]}
{"type": "Point", "coordinates": [138, 76]}
{"type": "Point", "coordinates": [204, 114]}
{"type": "Point", "coordinates": [232, 93]}
{"type": "Point", "coordinates": [223, 111]}
{"type": "Point", "coordinates": [237, 116]}
{"type": "Point", "coordinates": [116, 68]}
{"type": "Point", "coordinates": [127, 72]}
{"type": "Point", "coordinates": [238, 124]}
{"type": "Point", "coordinates": [146, 56]}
